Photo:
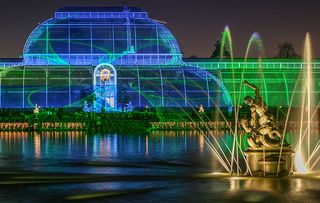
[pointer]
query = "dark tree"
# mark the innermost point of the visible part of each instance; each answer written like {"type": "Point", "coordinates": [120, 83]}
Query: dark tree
{"type": "Point", "coordinates": [194, 56]}
{"type": "Point", "coordinates": [123, 98]}
{"type": "Point", "coordinates": [286, 50]}
{"type": "Point", "coordinates": [217, 51]}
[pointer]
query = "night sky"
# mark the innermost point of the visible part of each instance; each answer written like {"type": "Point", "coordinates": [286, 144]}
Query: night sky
{"type": "Point", "coordinates": [195, 23]}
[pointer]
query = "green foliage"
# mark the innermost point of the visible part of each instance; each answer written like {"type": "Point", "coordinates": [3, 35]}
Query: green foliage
{"type": "Point", "coordinates": [217, 50]}
{"type": "Point", "coordinates": [286, 50]}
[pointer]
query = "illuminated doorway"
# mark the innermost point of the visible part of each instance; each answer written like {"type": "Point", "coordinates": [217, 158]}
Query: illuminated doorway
{"type": "Point", "coordinates": [105, 87]}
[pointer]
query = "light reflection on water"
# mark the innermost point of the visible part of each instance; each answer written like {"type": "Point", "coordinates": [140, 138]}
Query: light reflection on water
{"type": "Point", "coordinates": [170, 166]}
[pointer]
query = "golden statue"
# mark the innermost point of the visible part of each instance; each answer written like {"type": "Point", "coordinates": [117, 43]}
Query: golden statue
{"type": "Point", "coordinates": [262, 125]}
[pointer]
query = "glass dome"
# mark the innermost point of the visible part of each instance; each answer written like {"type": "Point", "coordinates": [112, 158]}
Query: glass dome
{"type": "Point", "coordinates": [90, 36]}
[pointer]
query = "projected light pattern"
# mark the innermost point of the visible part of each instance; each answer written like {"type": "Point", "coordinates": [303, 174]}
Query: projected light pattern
{"type": "Point", "coordinates": [66, 86]}
{"type": "Point", "coordinates": [64, 56]}
{"type": "Point", "coordinates": [277, 84]}
{"type": "Point", "coordinates": [92, 36]}
{"type": "Point", "coordinates": [61, 54]}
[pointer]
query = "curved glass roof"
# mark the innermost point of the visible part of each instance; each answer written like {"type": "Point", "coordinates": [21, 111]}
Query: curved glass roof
{"type": "Point", "coordinates": [90, 36]}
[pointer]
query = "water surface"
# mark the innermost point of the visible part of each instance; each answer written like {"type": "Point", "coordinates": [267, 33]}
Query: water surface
{"type": "Point", "coordinates": [167, 166]}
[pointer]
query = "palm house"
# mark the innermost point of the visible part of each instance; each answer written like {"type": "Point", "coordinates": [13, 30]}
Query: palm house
{"type": "Point", "coordinates": [115, 55]}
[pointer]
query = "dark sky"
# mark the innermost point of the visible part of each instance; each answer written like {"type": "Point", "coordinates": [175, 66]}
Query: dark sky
{"type": "Point", "coordinates": [195, 23]}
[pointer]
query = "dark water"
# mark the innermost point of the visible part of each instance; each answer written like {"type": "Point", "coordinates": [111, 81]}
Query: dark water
{"type": "Point", "coordinates": [160, 167]}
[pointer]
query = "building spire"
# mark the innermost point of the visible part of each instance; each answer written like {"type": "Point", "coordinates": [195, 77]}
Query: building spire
{"type": "Point", "coordinates": [125, 5]}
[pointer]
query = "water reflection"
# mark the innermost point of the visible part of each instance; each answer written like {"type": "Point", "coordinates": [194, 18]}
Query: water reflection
{"type": "Point", "coordinates": [186, 146]}
{"type": "Point", "coordinates": [161, 166]}
{"type": "Point", "coordinates": [37, 146]}
{"type": "Point", "coordinates": [147, 147]}
{"type": "Point", "coordinates": [189, 146]}
{"type": "Point", "coordinates": [261, 184]}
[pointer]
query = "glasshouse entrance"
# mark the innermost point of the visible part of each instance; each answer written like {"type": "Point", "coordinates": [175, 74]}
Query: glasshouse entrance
{"type": "Point", "coordinates": [105, 87]}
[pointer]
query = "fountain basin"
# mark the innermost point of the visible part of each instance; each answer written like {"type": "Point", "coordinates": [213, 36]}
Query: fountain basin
{"type": "Point", "coordinates": [264, 162]}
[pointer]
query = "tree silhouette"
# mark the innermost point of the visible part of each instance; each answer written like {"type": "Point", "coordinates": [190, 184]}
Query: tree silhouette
{"type": "Point", "coordinates": [123, 98]}
{"type": "Point", "coordinates": [194, 56]}
{"type": "Point", "coordinates": [217, 51]}
{"type": "Point", "coordinates": [286, 50]}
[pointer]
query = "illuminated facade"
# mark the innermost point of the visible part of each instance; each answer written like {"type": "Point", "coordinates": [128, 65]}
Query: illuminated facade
{"type": "Point", "coordinates": [117, 55]}
{"type": "Point", "coordinates": [121, 56]}
{"type": "Point", "coordinates": [281, 81]}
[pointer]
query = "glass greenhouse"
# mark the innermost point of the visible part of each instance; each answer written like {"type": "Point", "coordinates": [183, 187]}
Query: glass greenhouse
{"type": "Point", "coordinates": [281, 81]}
{"type": "Point", "coordinates": [118, 56]}
{"type": "Point", "coordinates": [114, 55]}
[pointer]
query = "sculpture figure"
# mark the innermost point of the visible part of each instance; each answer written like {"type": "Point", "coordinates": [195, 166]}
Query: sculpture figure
{"type": "Point", "coordinates": [36, 109]}
{"type": "Point", "coordinates": [201, 109]}
{"type": "Point", "coordinates": [130, 106]}
{"type": "Point", "coordinates": [261, 124]}
{"type": "Point", "coordinates": [86, 107]}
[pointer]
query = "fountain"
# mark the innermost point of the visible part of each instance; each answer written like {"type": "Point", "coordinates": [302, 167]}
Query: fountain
{"type": "Point", "coordinates": [267, 155]}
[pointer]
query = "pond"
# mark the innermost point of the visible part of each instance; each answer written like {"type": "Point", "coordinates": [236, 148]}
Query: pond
{"type": "Point", "coordinates": [163, 166]}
